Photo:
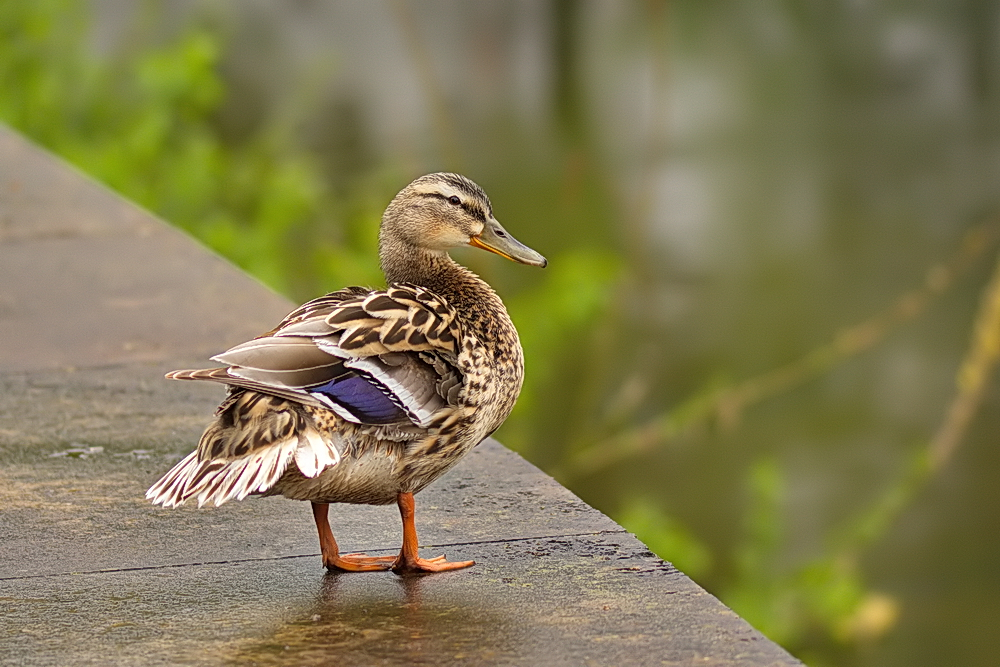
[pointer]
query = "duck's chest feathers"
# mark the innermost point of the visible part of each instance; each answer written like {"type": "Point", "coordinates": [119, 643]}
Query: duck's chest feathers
{"type": "Point", "coordinates": [491, 362]}
{"type": "Point", "coordinates": [492, 380]}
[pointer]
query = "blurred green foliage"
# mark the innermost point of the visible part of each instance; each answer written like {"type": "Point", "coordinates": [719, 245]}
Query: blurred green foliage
{"type": "Point", "coordinates": [147, 124]}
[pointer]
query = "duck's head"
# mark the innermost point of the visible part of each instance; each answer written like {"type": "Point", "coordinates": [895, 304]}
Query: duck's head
{"type": "Point", "coordinates": [441, 211]}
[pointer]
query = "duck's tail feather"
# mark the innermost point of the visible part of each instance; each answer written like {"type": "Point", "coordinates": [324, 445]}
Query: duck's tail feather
{"type": "Point", "coordinates": [218, 480]}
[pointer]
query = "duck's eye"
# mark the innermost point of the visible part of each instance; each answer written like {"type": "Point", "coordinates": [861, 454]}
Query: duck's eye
{"type": "Point", "coordinates": [454, 200]}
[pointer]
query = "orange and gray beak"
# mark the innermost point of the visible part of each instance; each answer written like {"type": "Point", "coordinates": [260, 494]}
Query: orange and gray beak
{"type": "Point", "coordinates": [496, 239]}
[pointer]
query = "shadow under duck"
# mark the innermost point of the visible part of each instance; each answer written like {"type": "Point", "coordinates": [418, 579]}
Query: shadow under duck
{"type": "Point", "coordinates": [367, 396]}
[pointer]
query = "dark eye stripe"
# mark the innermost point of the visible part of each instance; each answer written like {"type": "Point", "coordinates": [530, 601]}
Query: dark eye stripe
{"type": "Point", "coordinates": [475, 212]}
{"type": "Point", "coordinates": [470, 207]}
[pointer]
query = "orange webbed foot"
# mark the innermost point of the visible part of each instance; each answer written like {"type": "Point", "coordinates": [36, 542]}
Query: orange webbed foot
{"type": "Point", "coordinates": [428, 565]}
{"type": "Point", "coordinates": [358, 563]}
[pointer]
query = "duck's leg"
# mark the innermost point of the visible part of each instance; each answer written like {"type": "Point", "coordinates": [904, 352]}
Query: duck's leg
{"type": "Point", "coordinates": [332, 560]}
{"type": "Point", "coordinates": [409, 560]}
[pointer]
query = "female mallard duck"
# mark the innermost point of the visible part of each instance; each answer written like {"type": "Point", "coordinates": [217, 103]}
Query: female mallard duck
{"type": "Point", "coordinates": [367, 396]}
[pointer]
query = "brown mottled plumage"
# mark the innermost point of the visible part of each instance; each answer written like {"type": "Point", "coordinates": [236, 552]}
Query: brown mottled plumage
{"type": "Point", "coordinates": [367, 396]}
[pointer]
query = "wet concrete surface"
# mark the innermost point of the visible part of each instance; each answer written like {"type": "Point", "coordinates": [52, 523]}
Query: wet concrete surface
{"type": "Point", "coordinates": [553, 600]}
{"type": "Point", "coordinates": [97, 300]}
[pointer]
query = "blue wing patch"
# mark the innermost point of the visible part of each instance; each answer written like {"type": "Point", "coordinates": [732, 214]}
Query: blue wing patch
{"type": "Point", "coordinates": [362, 398]}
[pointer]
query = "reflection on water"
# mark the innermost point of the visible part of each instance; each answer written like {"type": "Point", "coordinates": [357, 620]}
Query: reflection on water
{"type": "Point", "coordinates": [396, 620]}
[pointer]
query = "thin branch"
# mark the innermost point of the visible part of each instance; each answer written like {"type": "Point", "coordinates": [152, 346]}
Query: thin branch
{"type": "Point", "coordinates": [973, 377]}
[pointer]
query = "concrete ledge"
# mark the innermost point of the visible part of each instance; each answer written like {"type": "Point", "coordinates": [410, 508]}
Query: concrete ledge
{"type": "Point", "coordinates": [97, 300]}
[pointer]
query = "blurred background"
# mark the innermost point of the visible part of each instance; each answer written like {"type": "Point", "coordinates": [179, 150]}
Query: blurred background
{"type": "Point", "coordinates": [767, 336]}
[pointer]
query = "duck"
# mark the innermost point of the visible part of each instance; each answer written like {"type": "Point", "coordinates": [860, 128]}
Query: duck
{"type": "Point", "coordinates": [366, 396]}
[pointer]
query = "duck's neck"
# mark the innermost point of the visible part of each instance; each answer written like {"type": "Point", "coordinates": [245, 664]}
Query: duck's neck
{"type": "Point", "coordinates": [435, 270]}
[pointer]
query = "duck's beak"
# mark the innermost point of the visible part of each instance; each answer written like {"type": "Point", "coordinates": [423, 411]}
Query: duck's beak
{"type": "Point", "coordinates": [496, 239]}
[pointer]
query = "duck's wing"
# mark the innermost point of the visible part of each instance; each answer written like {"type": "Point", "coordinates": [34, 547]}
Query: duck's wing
{"type": "Point", "coordinates": [378, 358]}
{"type": "Point", "coordinates": [382, 357]}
